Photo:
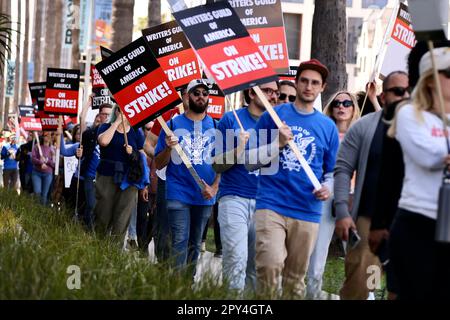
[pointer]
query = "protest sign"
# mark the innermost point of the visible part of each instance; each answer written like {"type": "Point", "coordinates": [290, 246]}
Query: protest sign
{"type": "Point", "coordinates": [173, 52]}
{"type": "Point", "coordinates": [37, 93]}
{"type": "Point", "coordinates": [290, 74]}
{"type": "Point", "coordinates": [430, 19]}
{"type": "Point", "coordinates": [61, 94]}
{"type": "Point", "coordinates": [264, 21]}
{"type": "Point", "coordinates": [225, 46]}
{"type": "Point", "coordinates": [401, 42]}
{"type": "Point", "coordinates": [70, 166]}
{"type": "Point", "coordinates": [49, 121]}
{"type": "Point", "coordinates": [139, 85]}
{"type": "Point", "coordinates": [216, 103]}
{"type": "Point", "coordinates": [30, 124]}
{"type": "Point", "coordinates": [99, 89]}
{"type": "Point", "coordinates": [26, 111]}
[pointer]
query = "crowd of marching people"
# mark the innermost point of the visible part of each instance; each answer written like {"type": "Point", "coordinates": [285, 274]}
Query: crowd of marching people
{"type": "Point", "coordinates": [380, 176]}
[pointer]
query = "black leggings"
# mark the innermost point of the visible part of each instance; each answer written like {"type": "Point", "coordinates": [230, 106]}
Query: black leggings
{"type": "Point", "coordinates": [420, 264]}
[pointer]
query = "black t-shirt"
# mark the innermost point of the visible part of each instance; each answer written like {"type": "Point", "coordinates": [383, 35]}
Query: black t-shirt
{"type": "Point", "coordinates": [369, 191]}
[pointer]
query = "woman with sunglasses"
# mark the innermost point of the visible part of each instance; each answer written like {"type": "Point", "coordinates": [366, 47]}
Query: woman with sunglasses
{"type": "Point", "coordinates": [343, 109]}
{"type": "Point", "coordinates": [421, 265]}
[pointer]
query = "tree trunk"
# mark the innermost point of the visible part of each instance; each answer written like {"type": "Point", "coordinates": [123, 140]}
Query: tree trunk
{"type": "Point", "coordinates": [24, 94]}
{"type": "Point", "coordinates": [329, 42]}
{"type": "Point", "coordinates": [4, 103]}
{"type": "Point", "coordinates": [59, 9]}
{"type": "Point", "coordinates": [50, 38]}
{"type": "Point", "coordinates": [154, 13]}
{"type": "Point", "coordinates": [122, 23]}
{"type": "Point", "coordinates": [76, 36]}
{"type": "Point", "coordinates": [17, 58]}
{"type": "Point", "coordinates": [38, 18]}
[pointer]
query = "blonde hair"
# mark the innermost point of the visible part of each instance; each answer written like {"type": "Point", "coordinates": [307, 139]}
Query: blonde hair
{"type": "Point", "coordinates": [328, 110]}
{"type": "Point", "coordinates": [422, 100]}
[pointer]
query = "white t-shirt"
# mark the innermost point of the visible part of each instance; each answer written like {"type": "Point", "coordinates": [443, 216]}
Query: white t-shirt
{"type": "Point", "coordinates": [424, 150]}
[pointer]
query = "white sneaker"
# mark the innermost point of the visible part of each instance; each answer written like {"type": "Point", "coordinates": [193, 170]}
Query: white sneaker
{"type": "Point", "coordinates": [371, 296]}
{"type": "Point", "coordinates": [203, 247]}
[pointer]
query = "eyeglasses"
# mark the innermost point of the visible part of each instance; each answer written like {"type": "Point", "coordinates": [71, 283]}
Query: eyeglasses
{"type": "Point", "coordinates": [283, 96]}
{"type": "Point", "coordinates": [445, 72]}
{"type": "Point", "coordinates": [306, 81]}
{"type": "Point", "coordinates": [197, 93]}
{"type": "Point", "coordinates": [345, 103]}
{"type": "Point", "coordinates": [270, 91]}
{"type": "Point", "coordinates": [398, 91]}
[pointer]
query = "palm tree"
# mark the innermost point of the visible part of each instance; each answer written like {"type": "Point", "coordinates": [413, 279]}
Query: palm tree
{"type": "Point", "coordinates": [38, 18]}
{"type": "Point", "coordinates": [23, 95]}
{"type": "Point", "coordinates": [17, 66]}
{"type": "Point", "coordinates": [76, 36]}
{"type": "Point", "coordinates": [329, 42]}
{"type": "Point", "coordinates": [122, 23]}
{"type": "Point", "coordinates": [154, 13]}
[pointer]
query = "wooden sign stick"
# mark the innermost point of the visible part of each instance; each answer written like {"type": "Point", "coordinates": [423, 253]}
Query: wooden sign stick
{"type": "Point", "coordinates": [182, 155]}
{"type": "Point", "coordinates": [312, 177]}
{"type": "Point", "coordinates": [124, 131]}
{"type": "Point", "coordinates": [58, 146]}
{"type": "Point", "coordinates": [235, 114]}
{"type": "Point", "coordinates": [38, 144]}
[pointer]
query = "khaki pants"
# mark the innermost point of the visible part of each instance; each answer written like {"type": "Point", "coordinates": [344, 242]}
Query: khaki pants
{"type": "Point", "coordinates": [283, 248]}
{"type": "Point", "coordinates": [357, 263]}
{"type": "Point", "coordinates": [113, 207]}
{"type": "Point", "coordinates": [10, 178]}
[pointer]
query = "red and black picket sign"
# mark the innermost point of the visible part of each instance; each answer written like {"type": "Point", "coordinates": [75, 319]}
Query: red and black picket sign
{"type": "Point", "coordinates": [138, 83]}
{"type": "Point", "coordinates": [49, 121]}
{"type": "Point", "coordinates": [225, 46]}
{"type": "Point", "coordinates": [174, 53]}
{"type": "Point", "coordinates": [61, 94]}
{"type": "Point", "coordinates": [216, 104]}
{"type": "Point", "coordinates": [99, 90]}
{"type": "Point", "coordinates": [30, 124]}
{"type": "Point", "coordinates": [264, 21]}
{"type": "Point", "coordinates": [289, 75]}
{"type": "Point", "coordinates": [105, 52]}
{"type": "Point", "coordinates": [37, 93]}
{"type": "Point", "coordinates": [27, 111]}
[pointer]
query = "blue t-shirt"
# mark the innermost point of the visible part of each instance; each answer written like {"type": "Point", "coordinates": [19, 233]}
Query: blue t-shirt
{"type": "Point", "coordinates": [115, 150]}
{"type": "Point", "coordinates": [289, 191]}
{"type": "Point", "coordinates": [93, 164]}
{"type": "Point", "coordinates": [9, 161]}
{"type": "Point", "coordinates": [237, 180]}
{"type": "Point", "coordinates": [197, 140]}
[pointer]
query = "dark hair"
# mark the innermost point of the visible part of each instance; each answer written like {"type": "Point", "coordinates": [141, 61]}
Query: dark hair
{"type": "Point", "coordinates": [287, 83]}
{"type": "Point", "coordinates": [416, 54]}
{"type": "Point", "coordinates": [368, 107]}
{"type": "Point", "coordinates": [103, 106]}
{"type": "Point", "coordinates": [389, 76]}
{"type": "Point", "coordinates": [74, 132]}
{"type": "Point", "coordinates": [247, 92]}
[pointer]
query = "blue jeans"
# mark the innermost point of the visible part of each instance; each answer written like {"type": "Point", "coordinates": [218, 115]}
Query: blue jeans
{"type": "Point", "coordinates": [41, 184]}
{"type": "Point", "coordinates": [187, 223]}
{"type": "Point", "coordinates": [132, 234]}
{"type": "Point", "coordinates": [319, 256]}
{"type": "Point", "coordinates": [89, 192]}
{"type": "Point", "coordinates": [237, 232]}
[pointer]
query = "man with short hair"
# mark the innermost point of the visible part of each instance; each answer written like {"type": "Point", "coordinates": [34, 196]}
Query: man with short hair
{"type": "Point", "coordinates": [10, 164]}
{"type": "Point", "coordinates": [288, 208]}
{"type": "Point", "coordinates": [237, 189]}
{"type": "Point", "coordinates": [361, 151]}
{"type": "Point", "coordinates": [90, 161]}
{"type": "Point", "coordinates": [188, 205]}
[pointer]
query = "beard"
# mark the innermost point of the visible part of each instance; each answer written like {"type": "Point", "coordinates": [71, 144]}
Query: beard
{"type": "Point", "coordinates": [197, 108]}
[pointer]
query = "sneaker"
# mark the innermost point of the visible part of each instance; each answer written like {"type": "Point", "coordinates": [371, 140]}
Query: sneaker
{"type": "Point", "coordinates": [218, 254]}
{"type": "Point", "coordinates": [203, 247]}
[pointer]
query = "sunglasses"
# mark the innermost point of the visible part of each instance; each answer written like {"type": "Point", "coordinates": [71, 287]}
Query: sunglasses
{"type": "Point", "coordinates": [283, 96]}
{"type": "Point", "coordinates": [345, 103]}
{"type": "Point", "coordinates": [198, 93]}
{"type": "Point", "coordinates": [270, 91]}
{"type": "Point", "coordinates": [399, 91]}
{"type": "Point", "coordinates": [445, 72]}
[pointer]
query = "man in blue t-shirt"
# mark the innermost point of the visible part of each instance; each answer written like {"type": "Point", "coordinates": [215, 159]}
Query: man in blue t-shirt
{"type": "Point", "coordinates": [237, 189]}
{"type": "Point", "coordinates": [10, 164]}
{"type": "Point", "coordinates": [288, 209]}
{"type": "Point", "coordinates": [189, 206]}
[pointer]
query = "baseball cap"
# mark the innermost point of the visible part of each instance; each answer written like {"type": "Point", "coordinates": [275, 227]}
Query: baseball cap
{"type": "Point", "coordinates": [199, 83]}
{"type": "Point", "coordinates": [315, 65]}
{"type": "Point", "coordinates": [441, 57]}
